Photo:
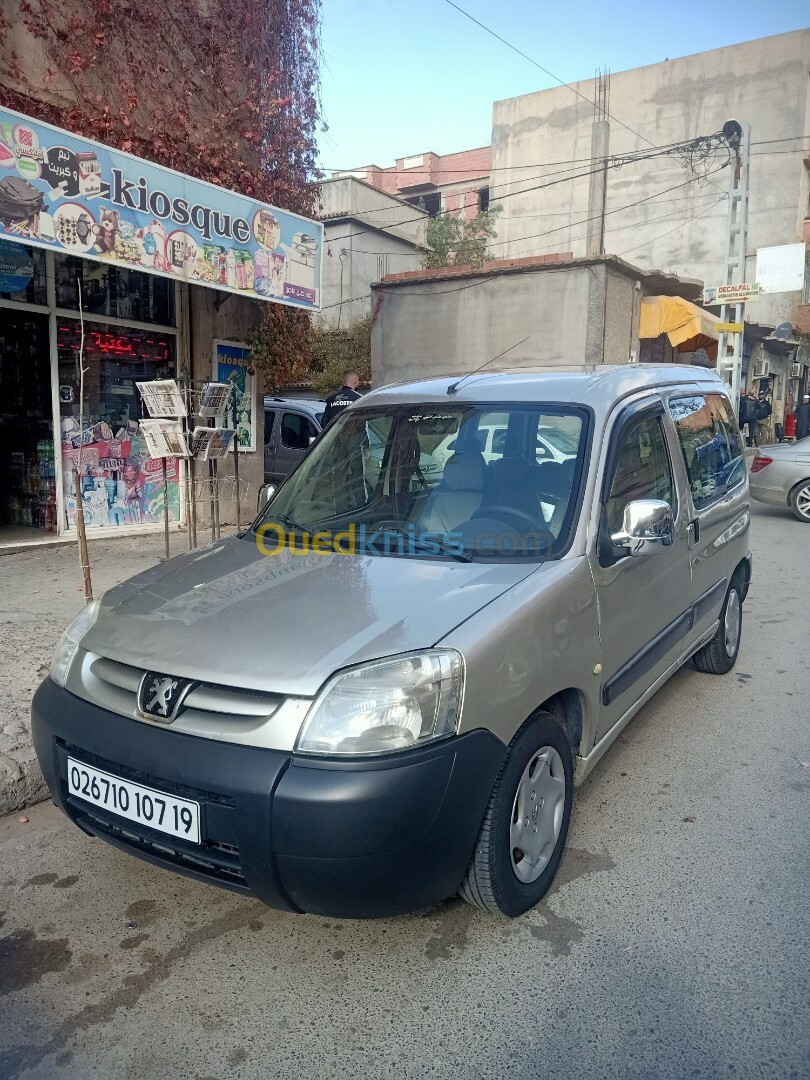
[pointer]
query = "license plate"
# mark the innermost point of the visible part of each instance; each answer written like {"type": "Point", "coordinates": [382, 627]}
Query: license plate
{"type": "Point", "coordinates": [146, 806]}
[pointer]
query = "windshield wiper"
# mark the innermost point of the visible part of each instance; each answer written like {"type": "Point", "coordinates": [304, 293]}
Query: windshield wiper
{"type": "Point", "coordinates": [445, 547]}
{"type": "Point", "coordinates": [285, 519]}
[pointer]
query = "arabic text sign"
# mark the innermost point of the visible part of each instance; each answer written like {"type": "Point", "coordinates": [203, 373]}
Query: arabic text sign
{"type": "Point", "coordinates": [65, 193]}
{"type": "Point", "coordinates": [729, 327]}
{"type": "Point", "coordinates": [731, 294]}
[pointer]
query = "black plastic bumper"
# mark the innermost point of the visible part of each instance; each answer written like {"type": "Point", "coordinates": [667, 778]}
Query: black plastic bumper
{"type": "Point", "coordinates": [344, 839]}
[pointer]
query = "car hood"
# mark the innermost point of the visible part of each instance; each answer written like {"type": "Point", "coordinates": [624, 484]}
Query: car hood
{"type": "Point", "coordinates": [284, 623]}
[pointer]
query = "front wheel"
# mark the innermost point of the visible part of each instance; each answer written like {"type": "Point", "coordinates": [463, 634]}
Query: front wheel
{"type": "Point", "coordinates": [800, 501]}
{"type": "Point", "coordinates": [526, 822]}
{"type": "Point", "coordinates": [720, 654]}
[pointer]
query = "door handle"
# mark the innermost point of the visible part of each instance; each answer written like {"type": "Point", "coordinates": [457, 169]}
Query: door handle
{"type": "Point", "coordinates": [694, 529]}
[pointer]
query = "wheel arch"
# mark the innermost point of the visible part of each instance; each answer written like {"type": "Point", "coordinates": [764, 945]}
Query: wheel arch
{"type": "Point", "coordinates": [568, 708]}
{"type": "Point", "coordinates": [742, 572]}
{"type": "Point", "coordinates": [795, 488]}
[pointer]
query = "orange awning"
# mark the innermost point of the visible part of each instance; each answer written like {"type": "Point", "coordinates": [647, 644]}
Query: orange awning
{"type": "Point", "coordinates": [687, 326]}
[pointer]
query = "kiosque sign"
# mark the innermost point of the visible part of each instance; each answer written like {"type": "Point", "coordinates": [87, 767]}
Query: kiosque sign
{"type": "Point", "coordinates": [65, 193]}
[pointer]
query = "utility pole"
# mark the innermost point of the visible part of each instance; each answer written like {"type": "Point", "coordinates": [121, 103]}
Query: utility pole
{"type": "Point", "coordinates": [600, 140]}
{"type": "Point", "coordinates": [730, 346]}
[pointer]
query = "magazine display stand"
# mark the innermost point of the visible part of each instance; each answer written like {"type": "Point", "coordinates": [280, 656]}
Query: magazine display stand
{"type": "Point", "coordinates": [173, 430]}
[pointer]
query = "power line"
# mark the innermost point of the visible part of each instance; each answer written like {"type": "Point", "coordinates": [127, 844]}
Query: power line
{"type": "Point", "coordinates": [345, 174]}
{"type": "Point", "coordinates": [574, 224]}
{"type": "Point", "coordinates": [545, 70]}
{"type": "Point", "coordinates": [551, 74]}
{"type": "Point", "coordinates": [646, 243]}
{"type": "Point", "coordinates": [615, 161]}
{"type": "Point", "coordinates": [616, 210]}
{"type": "Point", "coordinates": [526, 191]}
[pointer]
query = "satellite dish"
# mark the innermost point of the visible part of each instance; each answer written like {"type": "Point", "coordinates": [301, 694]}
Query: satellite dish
{"type": "Point", "coordinates": [784, 331]}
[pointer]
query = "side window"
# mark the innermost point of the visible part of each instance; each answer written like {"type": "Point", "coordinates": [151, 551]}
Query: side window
{"type": "Point", "coordinates": [711, 446]}
{"type": "Point", "coordinates": [296, 431]}
{"type": "Point", "coordinates": [643, 471]}
{"type": "Point", "coordinates": [269, 417]}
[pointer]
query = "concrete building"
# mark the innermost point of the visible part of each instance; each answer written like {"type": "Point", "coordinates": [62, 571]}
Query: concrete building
{"type": "Point", "coordinates": [367, 235]}
{"type": "Point", "coordinates": [656, 212]}
{"type": "Point", "coordinates": [571, 311]}
{"type": "Point", "coordinates": [455, 183]}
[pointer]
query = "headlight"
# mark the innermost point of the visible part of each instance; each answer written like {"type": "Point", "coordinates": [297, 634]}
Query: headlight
{"type": "Point", "coordinates": [388, 705]}
{"type": "Point", "coordinates": [69, 642]}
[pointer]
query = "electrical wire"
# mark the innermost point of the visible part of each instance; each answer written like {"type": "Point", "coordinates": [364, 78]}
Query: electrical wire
{"type": "Point", "coordinates": [615, 161]}
{"type": "Point", "coordinates": [545, 70]}
{"type": "Point", "coordinates": [344, 174]}
{"type": "Point", "coordinates": [512, 194]}
{"type": "Point", "coordinates": [573, 225]}
{"type": "Point", "coordinates": [646, 243]}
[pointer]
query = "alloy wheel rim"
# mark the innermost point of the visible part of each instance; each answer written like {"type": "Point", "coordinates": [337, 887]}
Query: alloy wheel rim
{"type": "Point", "coordinates": [732, 622]}
{"type": "Point", "coordinates": [803, 501]}
{"type": "Point", "coordinates": [537, 814]}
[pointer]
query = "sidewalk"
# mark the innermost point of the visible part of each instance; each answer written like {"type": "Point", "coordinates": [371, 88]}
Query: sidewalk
{"type": "Point", "coordinates": [40, 592]}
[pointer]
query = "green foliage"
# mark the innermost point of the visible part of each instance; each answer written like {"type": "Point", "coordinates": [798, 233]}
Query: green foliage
{"type": "Point", "coordinates": [452, 241]}
{"type": "Point", "coordinates": [333, 351]}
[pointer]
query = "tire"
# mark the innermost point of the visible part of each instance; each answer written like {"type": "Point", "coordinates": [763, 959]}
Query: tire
{"type": "Point", "coordinates": [800, 501]}
{"type": "Point", "coordinates": [720, 654]}
{"type": "Point", "coordinates": [539, 761]}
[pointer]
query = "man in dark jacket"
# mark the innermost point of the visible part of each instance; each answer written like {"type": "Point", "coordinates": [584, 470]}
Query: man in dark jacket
{"type": "Point", "coordinates": [760, 411]}
{"type": "Point", "coordinates": [336, 403]}
{"type": "Point", "coordinates": [803, 418]}
{"type": "Point", "coordinates": [745, 412]}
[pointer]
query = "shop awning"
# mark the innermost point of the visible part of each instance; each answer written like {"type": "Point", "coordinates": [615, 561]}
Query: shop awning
{"type": "Point", "coordinates": [687, 326]}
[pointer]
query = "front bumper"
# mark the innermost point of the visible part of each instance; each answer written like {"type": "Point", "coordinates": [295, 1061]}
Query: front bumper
{"type": "Point", "coordinates": [353, 839]}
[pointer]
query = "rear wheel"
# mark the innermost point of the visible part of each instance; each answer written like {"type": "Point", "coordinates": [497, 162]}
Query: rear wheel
{"type": "Point", "coordinates": [720, 654]}
{"type": "Point", "coordinates": [800, 501]}
{"type": "Point", "coordinates": [526, 822]}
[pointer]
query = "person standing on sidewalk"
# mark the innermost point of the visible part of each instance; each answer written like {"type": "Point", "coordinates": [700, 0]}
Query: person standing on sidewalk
{"type": "Point", "coordinates": [803, 418]}
{"type": "Point", "coordinates": [761, 410]}
{"type": "Point", "coordinates": [744, 414]}
{"type": "Point", "coordinates": [336, 403]}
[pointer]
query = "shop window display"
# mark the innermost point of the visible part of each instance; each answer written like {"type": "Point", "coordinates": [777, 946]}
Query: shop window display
{"type": "Point", "coordinates": [115, 291]}
{"type": "Point", "coordinates": [27, 472]}
{"type": "Point", "coordinates": [120, 485]}
{"type": "Point", "coordinates": [22, 273]}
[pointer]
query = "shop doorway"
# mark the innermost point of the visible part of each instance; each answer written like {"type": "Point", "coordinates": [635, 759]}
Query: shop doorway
{"type": "Point", "coordinates": [27, 469]}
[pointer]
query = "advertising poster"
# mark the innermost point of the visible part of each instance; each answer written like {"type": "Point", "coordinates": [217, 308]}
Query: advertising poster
{"type": "Point", "coordinates": [61, 192]}
{"type": "Point", "coordinates": [232, 366]}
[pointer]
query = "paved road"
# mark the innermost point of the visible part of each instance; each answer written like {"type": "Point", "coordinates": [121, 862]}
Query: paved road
{"type": "Point", "coordinates": [674, 943]}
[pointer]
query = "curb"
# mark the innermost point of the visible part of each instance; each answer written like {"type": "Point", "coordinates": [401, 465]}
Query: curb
{"type": "Point", "coordinates": [21, 781]}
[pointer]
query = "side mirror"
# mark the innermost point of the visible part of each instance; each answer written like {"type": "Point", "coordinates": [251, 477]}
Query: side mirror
{"type": "Point", "coordinates": [266, 493]}
{"type": "Point", "coordinates": [649, 527]}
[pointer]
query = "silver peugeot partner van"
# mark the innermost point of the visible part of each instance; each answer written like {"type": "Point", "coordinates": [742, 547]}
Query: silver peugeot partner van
{"type": "Point", "coordinates": [385, 690]}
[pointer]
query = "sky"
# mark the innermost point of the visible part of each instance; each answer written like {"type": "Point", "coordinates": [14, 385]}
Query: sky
{"type": "Point", "coordinates": [401, 79]}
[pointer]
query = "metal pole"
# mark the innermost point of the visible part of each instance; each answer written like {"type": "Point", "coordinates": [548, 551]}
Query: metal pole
{"type": "Point", "coordinates": [236, 457]}
{"type": "Point", "coordinates": [730, 346]}
{"type": "Point", "coordinates": [165, 506]}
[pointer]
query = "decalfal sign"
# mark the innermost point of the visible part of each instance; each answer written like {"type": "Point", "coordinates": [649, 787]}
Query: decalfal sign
{"type": "Point", "coordinates": [64, 193]}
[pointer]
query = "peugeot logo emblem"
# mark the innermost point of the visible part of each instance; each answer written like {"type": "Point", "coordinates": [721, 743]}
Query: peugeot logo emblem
{"type": "Point", "coordinates": [161, 697]}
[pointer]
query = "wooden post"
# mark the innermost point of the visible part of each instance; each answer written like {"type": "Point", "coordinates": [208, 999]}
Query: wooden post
{"type": "Point", "coordinates": [83, 554]}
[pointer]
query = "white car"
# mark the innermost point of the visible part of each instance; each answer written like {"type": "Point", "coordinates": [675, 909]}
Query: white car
{"type": "Point", "coordinates": [553, 444]}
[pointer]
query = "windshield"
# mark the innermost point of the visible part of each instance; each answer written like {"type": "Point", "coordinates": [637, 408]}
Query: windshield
{"type": "Point", "coordinates": [446, 480]}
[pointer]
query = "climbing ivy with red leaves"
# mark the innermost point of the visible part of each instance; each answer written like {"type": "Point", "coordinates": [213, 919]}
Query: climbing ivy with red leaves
{"type": "Point", "coordinates": [224, 90]}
